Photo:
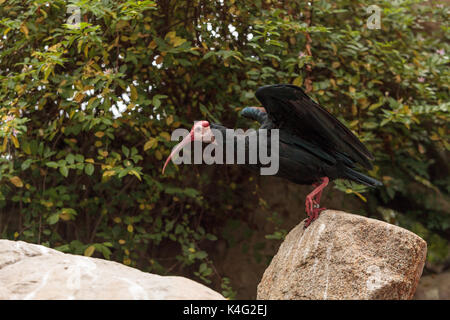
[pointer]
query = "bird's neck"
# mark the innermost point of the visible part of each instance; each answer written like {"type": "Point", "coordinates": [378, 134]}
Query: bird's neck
{"type": "Point", "coordinates": [238, 144]}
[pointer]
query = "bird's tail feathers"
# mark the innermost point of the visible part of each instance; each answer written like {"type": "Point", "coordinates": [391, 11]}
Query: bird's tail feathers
{"type": "Point", "coordinates": [361, 178]}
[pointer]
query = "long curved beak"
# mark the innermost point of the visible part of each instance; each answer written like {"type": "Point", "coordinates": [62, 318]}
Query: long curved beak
{"type": "Point", "coordinates": [177, 148]}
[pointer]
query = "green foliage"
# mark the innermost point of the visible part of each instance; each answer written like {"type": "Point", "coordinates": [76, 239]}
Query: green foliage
{"type": "Point", "coordinates": [86, 114]}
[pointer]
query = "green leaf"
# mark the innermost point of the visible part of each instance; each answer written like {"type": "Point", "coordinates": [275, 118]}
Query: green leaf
{"type": "Point", "coordinates": [52, 164]}
{"type": "Point", "coordinates": [79, 158]}
{"type": "Point", "coordinates": [64, 171]}
{"type": "Point", "coordinates": [26, 164]}
{"type": "Point", "coordinates": [70, 158]}
{"type": "Point", "coordinates": [89, 169]}
{"type": "Point", "coordinates": [54, 218]}
{"type": "Point", "coordinates": [125, 151]}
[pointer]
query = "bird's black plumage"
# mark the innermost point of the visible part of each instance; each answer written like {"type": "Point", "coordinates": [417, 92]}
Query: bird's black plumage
{"type": "Point", "coordinates": [313, 143]}
{"type": "Point", "coordinates": [313, 146]}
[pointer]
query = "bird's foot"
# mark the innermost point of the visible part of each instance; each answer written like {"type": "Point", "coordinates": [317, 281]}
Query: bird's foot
{"type": "Point", "coordinates": [312, 204]}
{"type": "Point", "coordinates": [313, 215]}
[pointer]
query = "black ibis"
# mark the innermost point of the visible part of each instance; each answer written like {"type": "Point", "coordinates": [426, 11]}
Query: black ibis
{"type": "Point", "coordinates": [314, 147]}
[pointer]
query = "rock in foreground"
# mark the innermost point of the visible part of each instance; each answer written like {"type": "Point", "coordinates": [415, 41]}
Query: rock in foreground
{"type": "Point", "coordinates": [345, 256]}
{"type": "Point", "coordinates": [29, 271]}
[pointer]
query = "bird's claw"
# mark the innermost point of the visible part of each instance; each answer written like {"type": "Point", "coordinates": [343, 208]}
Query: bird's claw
{"type": "Point", "coordinates": [313, 215]}
{"type": "Point", "coordinates": [312, 202]}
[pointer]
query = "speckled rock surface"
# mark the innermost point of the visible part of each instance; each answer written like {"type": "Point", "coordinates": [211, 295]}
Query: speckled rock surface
{"type": "Point", "coordinates": [345, 256]}
{"type": "Point", "coordinates": [29, 271]}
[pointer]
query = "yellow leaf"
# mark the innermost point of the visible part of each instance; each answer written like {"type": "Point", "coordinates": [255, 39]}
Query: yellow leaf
{"type": "Point", "coordinates": [335, 65]}
{"type": "Point", "coordinates": [354, 123]}
{"type": "Point", "coordinates": [90, 160]}
{"type": "Point", "coordinates": [64, 216]}
{"type": "Point", "coordinates": [435, 137]}
{"type": "Point", "coordinates": [5, 142]}
{"type": "Point", "coordinates": [109, 173]}
{"type": "Point", "coordinates": [354, 110]}
{"type": "Point", "coordinates": [15, 141]}
{"type": "Point", "coordinates": [16, 235]}
{"type": "Point", "coordinates": [16, 181]}
{"type": "Point", "coordinates": [165, 135]}
{"type": "Point", "coordinates": [98, 143]}
{"type": "Point", "coordinates": [79, 96]}
{"type": "Point", "coordinates": [99, 134]}
{"type": "Point", "coordinates": [26, 148]}
{"type": "Point", "coordinates": [158, 155]}
{"type": "Point", "coordinates": [121, 241]}
{"type": "Point", "coordinates": [47, 204]}
{"type": "Point", "coordinates": [133, 93]}
{"type": "Point", "coordinates": [333, 83]}
{"type": "Point", "coordinates": [24, 29]}
{"type": "Point", "coordinates": [177, 41]}
{"type": "Point", "coordinates": [130, 228]}
{"type": "Point", "coordinates": [152, 143]}
{"type": "Point", "coordinates": [169, 120]}
{"type": "Point", "coordinates": [134, 172]}
{"type": "Point", "coordinates": [298, 81]}
{"type": "Point", "coordinates": [170, 35]}
{"type": "Point", "coordinates": [89, 251]}
{"type": "Point", "coordinates": [117, 220]}
{"type": "Point", "coordinates": [152, 45]}
{"type": "Point", "coordinates": [360, 195]}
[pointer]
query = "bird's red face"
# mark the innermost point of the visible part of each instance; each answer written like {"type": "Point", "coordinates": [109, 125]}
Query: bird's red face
{"type": "Point", "coordinates": [201, 131]}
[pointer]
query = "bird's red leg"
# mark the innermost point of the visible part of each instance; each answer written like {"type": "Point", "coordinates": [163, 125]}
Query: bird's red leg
{"type": "Point", "coordinates": [313, 201]}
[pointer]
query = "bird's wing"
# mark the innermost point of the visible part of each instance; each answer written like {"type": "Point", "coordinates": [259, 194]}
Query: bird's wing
{"type": "Point", "coordinates": [290, 109]}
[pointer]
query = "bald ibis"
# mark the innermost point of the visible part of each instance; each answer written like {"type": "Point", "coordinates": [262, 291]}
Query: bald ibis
{"type": "Point", "coordinates": [314, 147]}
